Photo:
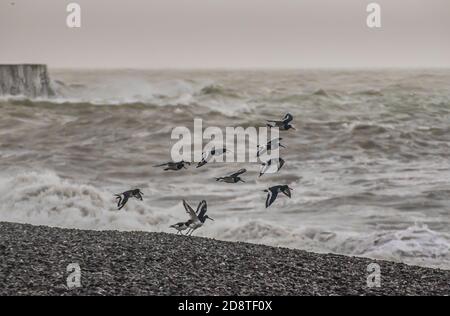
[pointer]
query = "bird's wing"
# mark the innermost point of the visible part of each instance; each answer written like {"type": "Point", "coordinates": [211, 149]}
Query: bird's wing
{"type": "Point", "coordinates": [201, 209]}
{"type": "Point", "coordinates": [287, 118]}
{"type": "Point", "coordinates": [276, 140]}
{"type": "Point", "coordinates": [238, 173]}
{"type": "Point", "coordinates": [271, 197]}
{"type": "Point", "coordinates": [190, 211]}
{"type": "Point", "coordinates": [261, 150]}
{"type": "Point", "coordinates": [201, 163]}
{"type": "Point", "coordinates": [287, 192]}
{"type": "Point", "coordinates": [221, 151]}
{"type": "Point", "coordinates": [206, 156]}
{"type": "Point", "coordinates": [274, 143]}
{"type": "Point", "coordinates": [280, 163]}
{"type": "Point", "coordinates": [264, 168]}
{"type": "Point", "coordinates": [138, 195]}
{"type": "Point", "coordinates": [161, 165]}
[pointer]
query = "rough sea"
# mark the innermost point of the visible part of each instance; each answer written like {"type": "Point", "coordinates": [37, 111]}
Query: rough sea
{"type": "Point", "coordinates": [369, 160]}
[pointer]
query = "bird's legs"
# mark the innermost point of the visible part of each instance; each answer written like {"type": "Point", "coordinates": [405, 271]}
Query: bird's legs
{"type": "Point", "coordinates": [119, 200]}
{"type": "Point", "coordinates": [192, 230]}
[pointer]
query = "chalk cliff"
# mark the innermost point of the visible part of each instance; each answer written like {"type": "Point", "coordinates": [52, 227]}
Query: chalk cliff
{"type": "Point", "coordinates": [25, 80]}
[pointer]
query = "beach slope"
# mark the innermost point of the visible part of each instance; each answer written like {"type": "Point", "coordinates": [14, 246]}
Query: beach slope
{"type": "Point", "coordinates": [34, 261]}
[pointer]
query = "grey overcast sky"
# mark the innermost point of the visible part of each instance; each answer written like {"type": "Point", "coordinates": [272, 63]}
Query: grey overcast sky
{"type": "Point", "coordinates": [226, 34]}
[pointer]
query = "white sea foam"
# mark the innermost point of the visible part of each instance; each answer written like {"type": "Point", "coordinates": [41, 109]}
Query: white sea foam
{"type": "Point", "coordinates": [43, 198]}
{"type": "Point", "coordinates": [135, 91]}
{"type": "Point", "coordinates": [416, 245]}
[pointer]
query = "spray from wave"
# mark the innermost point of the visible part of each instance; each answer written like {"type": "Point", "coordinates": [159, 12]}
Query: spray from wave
{"type": "Point", "coordinates": [43, 198]}
{"type": "Point", "coordinates": [416, 245]}
{"type": "Point", "coordinates": [132, 91]}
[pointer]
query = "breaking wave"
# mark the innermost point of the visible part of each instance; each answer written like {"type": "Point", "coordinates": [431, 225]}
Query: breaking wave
{"type": "Point", "coordinates": [138, 93]}
{"type": "Point", "coordinates": [217, 90]}
{"type": "Point", "coordinates": [44, 198]}
{"type": "Point", "coordinates": [416, 245]}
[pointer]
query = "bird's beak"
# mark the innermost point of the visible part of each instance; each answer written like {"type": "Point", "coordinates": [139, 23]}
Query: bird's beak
{"type": "Point", "coordinates": [211, 218]}
{"type": "Point", "coordinates": [293, 128]}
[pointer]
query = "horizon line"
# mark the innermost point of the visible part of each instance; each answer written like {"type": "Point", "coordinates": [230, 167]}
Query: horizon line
{"type": "Point", "coordinates": [446, 67]}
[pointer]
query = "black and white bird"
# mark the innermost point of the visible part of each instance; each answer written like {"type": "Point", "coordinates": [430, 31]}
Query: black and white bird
{"type": "Point", "coordinates": [284, 124]}
{"type": "Point", "coordinates": [207, 156]}
{"type": "Point", "coordinates": [122, 198]}
{"type": "Point", "coordinates": [232, 178]}
{"type": "Point", "coordinates": [197, 218]}
{"type": "Point", "coordinates": [271, 145]}
{"type": "Point", "coordinates": [175, 166]}
{"type": "Point", "coordinates": [272, 193]}
{"type": "Point", "coordinates": [271, 166]}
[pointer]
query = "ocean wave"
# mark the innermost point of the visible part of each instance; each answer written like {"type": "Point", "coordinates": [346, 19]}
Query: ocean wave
{"type": "Point", "coordinates": [369, 128]}
{"type": "Point", "coordinates": [50, 102]}
{"type": "Point", "coordinates": [370, 92]}
{"type": "Point", "coordinates": [321, 93]}
{"type": "Point", "coordinates": [209, 97]}
{"type": "Point", "coordinates": [218, 90]}
{"type": "Point", "coordinates": [416, 245]}
{"type": "Point", "coordinates": [44, 198]}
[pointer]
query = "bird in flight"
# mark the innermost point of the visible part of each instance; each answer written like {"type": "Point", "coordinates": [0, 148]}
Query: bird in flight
{"type": "Point", "coordinates": [271, 166]}
{"type": "Point", "coordinates": [197, 218]}
{"type": "Point", "coordinates": [233, 178]}
{"type": "Point", "coordinates": [174, 165]}
{"type": "Point", "coordinates": [271, 145]}
{"type": "Point", "coordinates": [284, 124]}
{"type": "Point", "coordinates": [207, 156]}
{"type": "Point", "coordinates": [272, 193]}
{"type": "Point", "coordinates": [123, 198]}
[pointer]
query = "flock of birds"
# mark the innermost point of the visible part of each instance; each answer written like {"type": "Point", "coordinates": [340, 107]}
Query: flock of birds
{"type": "Point", "coordinates": [198, 217]}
